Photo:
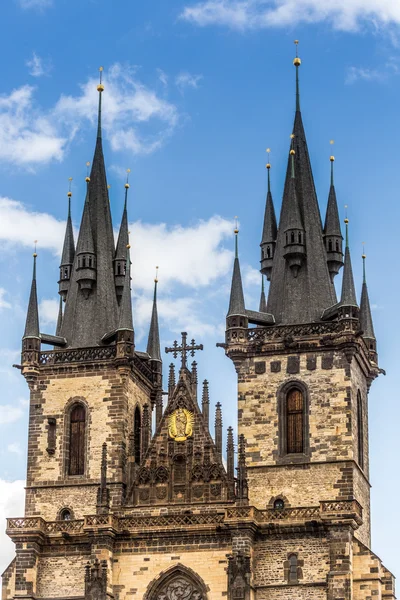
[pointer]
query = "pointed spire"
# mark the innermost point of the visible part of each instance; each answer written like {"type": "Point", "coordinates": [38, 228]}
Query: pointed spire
{"type": "Point", "coordinates": [313, 283]}
{"type": "Point", "coordinates": [332, 232]}
{"type": "Point", "coordinates": [218, 429]}
{"type": "Point", "coordinates": [32, 317]}
{"type": "Point", "coordinates": [103, 493]}
{"type": "Point", "coordinates": [123, 241]}
{"type": "Point", "coordinates": [125, 315]}
{"type": "Point", "coordinates": [153, 344]}
{"type": "Point", "coordinates": [68, 252]}
{"type": "Point", "coordinates": [348, 297]}
{"type": "Point", "coordinates": [230, 464]}
{"type": "Point", "coordinates": [100, 89]}
{"type": "Point", "coordinates": [205, 404]}
{"type": "Point", "coordinates": [60, 316]}
{"type": "Point", "coordinates": [236, 302]}
{"type": "Point", "coordinates": [263, 302]}
{"type": "Point", "coordinates": [242, 484]}
{"type": "Point", "coordinates": [171, 380]}
{"type": "Point", "coordinates": [268, 241]}
{"type": "Point", "coordinates": [366, 323]}
{"type": "Point", "coordinates": [146, 429]}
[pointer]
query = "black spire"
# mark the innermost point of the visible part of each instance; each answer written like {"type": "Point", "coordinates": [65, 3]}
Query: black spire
{"type": "Point", "coordinates": [123, 241]}
{"type": "Point", "coordinates": [268, 241]}
{"type": "Point", "coordinates": [125, 315]}
{"type": "Point", "coordinates": [263, 302]}
{"type": "Point", "coordinates": [300, 299]}
{"type": "Point", "coordinates": [218, 429]}
{"type": "Point", "coordinates": [68, 252]}
{"type": "Point", "coordinates": [91, 309]}
{"type": "Point", "coordinates": [332, 233]}
{"type": "Point", "coordinates": [60, 317]}
{"type": "Point", "coordinates": [366, 323]}
{"type": "Point", "coordinates": [205, 404]}
{"type": "Point", "coordinates": [153, 344]}
{"type": "Point", "coordinates": [32, 317]}
{"type": "Point", "coordinates": [348, 297]}
{"type": "Point", "coordinates": [236, 302]}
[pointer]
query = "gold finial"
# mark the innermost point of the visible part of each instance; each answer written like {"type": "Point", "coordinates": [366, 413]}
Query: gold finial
{"type": "Point", "coordinates": [292, 152]}
{"type": "Point", "coordinates": [69, 194]}
{"type": "Point", "coordinates": [156, 277]}
{"type": "Point", "coordinates": [108, 186]}
{"type": "Point", "coordinates": [87, 178]}
{"type": "Point", "coordinates": [128, 246]}
{"type": "Point", "coordinates": [346, 220]}
{"type": "Point", "coordinates": [292, 136]}
{"type": "Point", "coordinates": [236, 230]}
{"type": "Point", "coordinates": [268, 151]}
{"type": "Point", "coordinates": [100, 87]}
{"type": "Point", "coordinates": [332, 158]}
{"type": "Point", "coordinates": [297, 61]}
{"type": "Point", "coordinates": [363, 254]}
{"type": "Point", "coordinates": [127, 178]}
{"type": "Point", "coordinates": [35, 253]}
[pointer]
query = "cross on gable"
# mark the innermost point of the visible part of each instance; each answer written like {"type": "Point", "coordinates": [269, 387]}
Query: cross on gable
{"type": "Point", "coordinates": [184, 349]}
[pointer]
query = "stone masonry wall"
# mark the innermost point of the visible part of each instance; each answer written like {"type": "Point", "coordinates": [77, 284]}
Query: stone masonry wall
{"type": "Point", "coordinates": [110, 399]}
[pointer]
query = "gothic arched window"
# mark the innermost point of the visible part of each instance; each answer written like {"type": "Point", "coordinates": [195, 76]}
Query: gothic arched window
{"type": "Point", "coordinates": [180, 582]}
{"type": "Point", "coordinates": [137, 435]}
{"type": "Point", "coordinates": [330, 246]}
{"type": "Point", "coordinates": [268, 252]}
{"type": "Point", "coordinates": [65, 515]}
{"type": "Point", "coordinates": [360, 431]}
{"type": "Point", "coordinates": [279, 504]}
{"type": "Point", "coordinates": [295, 421]}
{"type": "Point", "coordinates": [77, 440]}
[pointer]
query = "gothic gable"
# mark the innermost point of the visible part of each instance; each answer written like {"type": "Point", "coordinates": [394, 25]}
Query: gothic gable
{"type": "Point", "coordinates": [182, 463]}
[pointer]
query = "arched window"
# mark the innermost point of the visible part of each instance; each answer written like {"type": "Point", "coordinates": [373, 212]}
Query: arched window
{"type": "Point", "coordinates": [295, 421]}
{"type": "Point", "coordinates": [299, 236]}
{"type": "Point", "coordinates": [65, 515]}
{"type": "Point", "coordinates": [77, 440]}
{"type": "Point", "coordinates": [268, 252]}
{"type": "Point", "coordinates": [360, 431]}
{"type": "Point", "coordinates": [293, 563]}
{"type": "Point", "coordinates": [178, 582]}
{"type": "Point", "coordinates": [137, 435]}
{"type": "Point", "coordinates": [330, 246]}
{"type": "Point", "coordinates": [279, 504]}
{"type": "Point", "coordinates": [292, 237]}
{"type": "Point", "coordinates": [337, 246]}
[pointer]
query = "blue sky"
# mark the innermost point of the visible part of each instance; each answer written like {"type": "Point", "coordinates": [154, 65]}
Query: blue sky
{"type": "Point", "coordinates": [195, 93]}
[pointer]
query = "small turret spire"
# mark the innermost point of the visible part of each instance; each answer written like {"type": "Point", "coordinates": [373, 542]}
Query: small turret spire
{"type": "Point", "coordinates": [366, 322]}
{"type": "Point", "coordinates": [294, 248]}
{"type": "Point", "coordinates": [205, 404]}
{"type": "Point", "coordinates": [68, 252]}
{"type": "Point", "coordinates": [153, 344]}
{"type": "Point", "coordinates": [125, 315]}
{"type": "Point", "coordinates": [123, 241]}
{"type": "Point", "coordinates": [236, 303]}
{"type": "Point", "coordinates": [332, 233]}
{"type": "Point", "coordinates": [32, 317]}
{"type": "Point", "coordinates": [230, 464]}
{"type": "Point", "coordinates": [263, 302]}
{"type": "Point", "coordinates": [60, 317]}
{"type": "Point", "coordinates": [268, 241]}
{"type": "Point", "coordinates": [218, 430]}
{"type": "Point", "coordinates": [86, 270]}
{"type": "Point", "coordinates": [348, 297]}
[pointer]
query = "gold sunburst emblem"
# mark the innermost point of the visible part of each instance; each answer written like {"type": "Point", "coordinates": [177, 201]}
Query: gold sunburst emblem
{"type": "Point", "coordinates": [180, 424]}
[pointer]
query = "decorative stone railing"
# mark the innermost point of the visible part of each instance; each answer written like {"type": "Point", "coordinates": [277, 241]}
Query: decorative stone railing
{"type": "Point", "coordinates": [281, 332]}
{"type": "Point", "coordinates": [77, 355]}
{"type": "Point", "coordinates": [336, 510]}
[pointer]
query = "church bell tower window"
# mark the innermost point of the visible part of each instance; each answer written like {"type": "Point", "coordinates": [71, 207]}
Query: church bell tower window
{"type": "Point", "coordinates": [295, 421]}
{"type": "Point", "coordinates": [137, 435]}
{"type": "Point", "coordinates": [77, 440]}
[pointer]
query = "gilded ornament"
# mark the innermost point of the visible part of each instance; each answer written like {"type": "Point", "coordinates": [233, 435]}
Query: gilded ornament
{"type": "Point", "coordinates": [180, 424]}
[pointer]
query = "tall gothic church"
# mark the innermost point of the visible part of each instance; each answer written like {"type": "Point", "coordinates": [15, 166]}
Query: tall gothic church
{"type": "Point", "coordinates": [130, 499]}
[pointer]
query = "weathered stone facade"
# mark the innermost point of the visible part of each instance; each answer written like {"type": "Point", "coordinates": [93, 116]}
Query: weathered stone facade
{"type": "Point", "coordinates": [127, 500]}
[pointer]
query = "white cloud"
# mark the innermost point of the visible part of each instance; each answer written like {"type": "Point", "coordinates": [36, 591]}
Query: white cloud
{"type": "Point", "coordinates": [192, 256]}
{"type": "Point", "coordinates": [3, 302]}
{"type": "Point", "coordinates": [38, 66]}
{"type": "Point", "coordinates": [251, 277]}
{"type": "Point", "coordinates": [10, 413]}
{"type": "Point", "coordinates": [135, 118]}
{"type": "Point", "coordinates": [347, 15]}
{"type": "Point", "coordinates": [163, 77]}
{"type": "Point", "coordinates": [48, 310]}
{"type": "Point", "coordinates": [27, 135]}
{"type": "Point", "coordinates": [15, 448]}
{"type": "Point", "coordinates": [12, 500]}
{"type": "Point", "coordinates": [19, 225]}
{"type": "Point", "coordinates": [186, 80]}
{"type": "Point", "coordinates": [380, 74]}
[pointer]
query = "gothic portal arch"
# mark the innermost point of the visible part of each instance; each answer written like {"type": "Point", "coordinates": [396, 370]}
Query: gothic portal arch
{"type": "Point", "coordinates": [178, 583]}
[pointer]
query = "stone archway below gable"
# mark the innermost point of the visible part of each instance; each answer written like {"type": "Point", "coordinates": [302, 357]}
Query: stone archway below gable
{"type": "Point", "coordinates": [178, 583]}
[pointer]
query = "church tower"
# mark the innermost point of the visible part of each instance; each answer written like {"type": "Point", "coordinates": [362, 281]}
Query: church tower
{"type": "Point", "coordinates": [304, 374]}
{"type": "Point", "coordinates": [128, 497]}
